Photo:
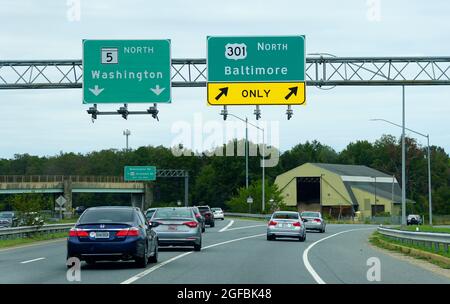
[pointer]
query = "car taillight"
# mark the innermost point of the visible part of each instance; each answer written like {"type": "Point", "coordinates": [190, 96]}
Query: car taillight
{"type": "Point", "coordinates": [317, 220]}
{"type": "Point", "coordinates": [207, 214]}
{"type": "Point", "coordinates": [128, 232]}
{"type": "Point", "coordinates": [191, 224]}
{"type": "Point", "coordinates": [272, 223]}
{"type": "Point", "coordinates": [296, 224]}
{"type": "Point", "coordinates": [75, 232]}
{"type": "Point", "coordinates": [198, 215]}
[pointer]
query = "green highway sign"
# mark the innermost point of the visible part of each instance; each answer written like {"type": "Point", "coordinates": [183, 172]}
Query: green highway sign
{"type": "Point", "coordinates": [126, 71]}
{"type": "Point", "coordinates": [256, 59]}
{"type": "Point", "coordinates": [139, 173]}
{"type": "Point", "coordinates": [256, 70]}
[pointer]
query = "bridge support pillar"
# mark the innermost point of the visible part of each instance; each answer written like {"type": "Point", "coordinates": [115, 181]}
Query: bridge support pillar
{"type": "Point", "coordinates": [137, 200]}
{"type": "Point", "coordinates": [148, 195]}
{"type": "Point", "coordinates": [68, 196]}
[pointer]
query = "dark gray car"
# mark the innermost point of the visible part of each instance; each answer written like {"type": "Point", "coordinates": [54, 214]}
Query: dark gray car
{"type": "Point", "coordinates": [8, 219]}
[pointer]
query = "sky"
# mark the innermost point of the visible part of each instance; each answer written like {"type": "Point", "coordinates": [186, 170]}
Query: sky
{"type": "Point", "coordinates": [46, 122]}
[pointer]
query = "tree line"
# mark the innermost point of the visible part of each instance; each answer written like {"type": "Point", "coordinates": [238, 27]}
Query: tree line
{"type": "Point", "coordinates": [220, 180]}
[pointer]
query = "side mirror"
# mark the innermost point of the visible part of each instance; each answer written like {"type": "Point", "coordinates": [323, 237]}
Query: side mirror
{"type": "Point", "coordinates": [152, 224]}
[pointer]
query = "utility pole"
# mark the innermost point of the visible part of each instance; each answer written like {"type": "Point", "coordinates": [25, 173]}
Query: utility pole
{"type": "Point", "coordinates": [246, 153]}
{"type": "Point", "coordinates": [403, 160]}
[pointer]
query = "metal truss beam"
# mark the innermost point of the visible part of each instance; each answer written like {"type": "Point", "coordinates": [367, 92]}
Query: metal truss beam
{"type": "Point", "coordinates": [320, 71]}
{"type": "Point", "coordinates": [171, 173]}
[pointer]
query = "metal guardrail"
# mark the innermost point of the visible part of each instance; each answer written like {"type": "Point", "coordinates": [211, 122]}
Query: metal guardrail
{"type": "Point", "coordinates": [428, 239]}
{"type": "Point", "coordinates": [26, 231]}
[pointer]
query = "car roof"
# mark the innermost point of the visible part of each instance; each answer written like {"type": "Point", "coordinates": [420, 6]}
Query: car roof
{"type": "Point", "coordinates": [114, 207]}
{"type": "Point", "coordinates": [286, 212]}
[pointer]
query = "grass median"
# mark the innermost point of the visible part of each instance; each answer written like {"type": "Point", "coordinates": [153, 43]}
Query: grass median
{"type": "Point", "coordinates": [416, 250]}
{"type": "Point", "coordinates": [37, 237]}
{"type": "Point", "coordinates": [425, 228]}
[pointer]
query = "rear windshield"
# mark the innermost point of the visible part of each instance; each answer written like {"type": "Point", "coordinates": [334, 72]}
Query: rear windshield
{"type": "Point", "coordinates": [311, 214]}
{"type": "Point", "coordinates": [203, 208]}
{"type": "Point", "coordinates": [107, 216]}
{"type": "Point", "coordinates": [173, 213]}
{"type": "Point", "coordinates": [216, 209]}
{"type": "Point", "coordinates": [287, 216]}
{"type": "Point", "coordinates": [6, 215]}
{"type": "Point", "coordinates": [150, 213]}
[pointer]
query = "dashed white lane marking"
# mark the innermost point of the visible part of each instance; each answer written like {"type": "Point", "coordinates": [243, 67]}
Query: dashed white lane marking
{"type": "Point", "coordinates": [33, 260]}
{"type": "Point", "coordinates": [227, 226]}
{"type": "Point", "coordinates": [245, 227]}
{"type": "Point", "coordinates": [150, 270]}
{"type": "Point", "coordinates": [308, 266]}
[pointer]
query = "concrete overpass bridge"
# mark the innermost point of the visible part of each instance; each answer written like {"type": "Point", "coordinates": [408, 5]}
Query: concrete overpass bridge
{"type": "Point", "coordinates": [141, 192]}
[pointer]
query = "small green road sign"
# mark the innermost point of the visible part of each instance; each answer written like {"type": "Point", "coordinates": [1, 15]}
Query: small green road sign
{"type": "Point", "coordinates": [139, 173]}
{"type": "Point", "coordinates": [126, 71]}
{"type": "Point", "coordinates": [256, 59]}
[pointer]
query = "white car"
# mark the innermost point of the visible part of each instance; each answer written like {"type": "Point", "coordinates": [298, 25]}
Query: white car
{"type": "Point", "coordinates": [218, 213]}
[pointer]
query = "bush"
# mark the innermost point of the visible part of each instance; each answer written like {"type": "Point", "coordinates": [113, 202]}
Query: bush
{"type": "Point", "coordinates": [28, 208]}
{"type": "Point", "coordinates": [239, 203]}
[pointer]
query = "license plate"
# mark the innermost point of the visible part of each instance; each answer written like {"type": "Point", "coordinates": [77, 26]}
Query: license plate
{"type": "Point", "coordinates": [288, 225]}
{"type": "Point", "coordinates": [101, 235]}
{"type": "Point", "coordinates": [172, 227]}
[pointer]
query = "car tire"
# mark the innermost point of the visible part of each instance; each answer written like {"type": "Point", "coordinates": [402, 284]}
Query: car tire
{"type": "Point", "coordinates": [198, 247]}
{"type": "Point", "coordinates": [212, 225]}
{"type": "Point", "coordinates": [270, 237]}
{"type": "Point", "coordinates": [203, 229]}
{"type": "Point", "coordinates": [302, 238]}
{"type": "Point", "coordinates": [154, 258]}
{"type": "Point", "coordinates": [142, 262]}
{"type": "Point", "coordinates": [322, 230]}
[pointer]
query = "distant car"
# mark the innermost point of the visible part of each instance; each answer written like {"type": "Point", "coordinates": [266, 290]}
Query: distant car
{"type": "Point", "coordinates": [178, 226]}
{"type": "Point", "coordinates": [218, 213]}
{"type": "Point", "coordinates": [8, 219]}
{"type": "Point", "coordinates": [286, 224]}
{"type": "Point", "coordinates": [414, 219]}
{"type": "Point", "coordinates": [313, 221]}
{"type": "Point", "coordinates": [112, 234]}
{"type": "Point", "coordinates": [79, 210]}
{"type": "Point", "coordinates": [149, 213]}
{"type": "Point", "coordinates": [207, 214]}
{"type": "Point", "coordinates": [199, 218]}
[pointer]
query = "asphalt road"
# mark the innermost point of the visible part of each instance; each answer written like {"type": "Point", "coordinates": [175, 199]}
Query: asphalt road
{"type": "Point", "coordinates": [236, 253]}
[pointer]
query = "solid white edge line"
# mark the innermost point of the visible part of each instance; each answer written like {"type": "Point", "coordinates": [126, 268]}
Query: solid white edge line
{"type": "Point", "coordinates": [308, 266]}
{"type": "Point", "coordinates": [150, 270]}
{"type": "Point", "coordinates": [227, 226]}
{"type": "Point", "coordinates": [237, 228]}
{"type": "Point", "coordinates": [33, 260]}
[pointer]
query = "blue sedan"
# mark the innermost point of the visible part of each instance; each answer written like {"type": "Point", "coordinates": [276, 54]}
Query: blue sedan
{"type": "Point", "coordinates": [113, 234]}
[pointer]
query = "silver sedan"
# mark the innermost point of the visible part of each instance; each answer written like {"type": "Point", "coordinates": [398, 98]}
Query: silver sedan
{"type": "Point", "coordinates": [286, 224]}
{"type": "Point", "coordinates": [178, 227]}
{"type": "Point", "coordinates": [313, 221]}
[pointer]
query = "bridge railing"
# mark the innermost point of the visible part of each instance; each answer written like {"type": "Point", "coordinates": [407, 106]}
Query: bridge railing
{"type": "Point", "coordinates": [61, 178]}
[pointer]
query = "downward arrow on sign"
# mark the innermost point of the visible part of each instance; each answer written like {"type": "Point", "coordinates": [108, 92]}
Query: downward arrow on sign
{"type": "Point", "coordinates": [157, 90]}
{"type": "Point", "coordinates": [96, 90]}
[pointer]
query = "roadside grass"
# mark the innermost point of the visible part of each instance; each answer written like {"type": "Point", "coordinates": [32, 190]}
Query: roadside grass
{"type": "Point", "coordinates": [424, 228]}
{"type": "Point", "coordinates": [38, 237]}
{"type": "Point", "coordinates": [63, 221]}
{"type": "Point", "coordinates": [418, 251]}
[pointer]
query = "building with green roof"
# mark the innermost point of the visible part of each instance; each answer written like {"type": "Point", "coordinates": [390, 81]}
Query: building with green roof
{"type": "Point", "coordinates": [340, 190]}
